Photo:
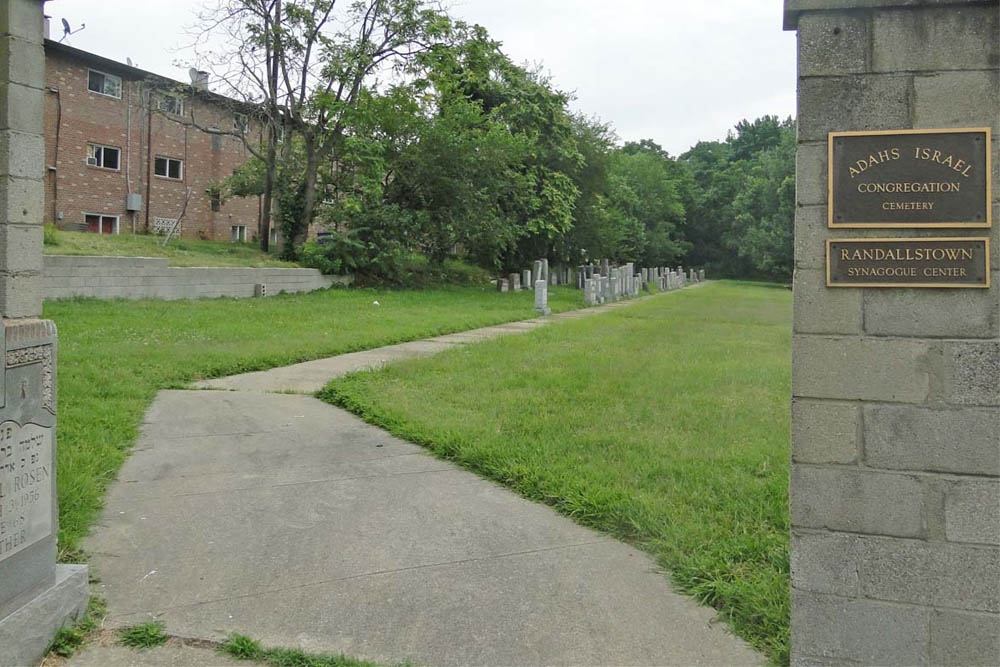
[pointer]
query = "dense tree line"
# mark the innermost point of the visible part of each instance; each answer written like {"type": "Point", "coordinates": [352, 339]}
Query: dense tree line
{"type": "Point", "coordinates": [469, 154]}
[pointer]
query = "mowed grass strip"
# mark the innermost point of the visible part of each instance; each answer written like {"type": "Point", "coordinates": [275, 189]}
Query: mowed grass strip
{"type": "Point", "coordinates": [115, 355]}
{"type": "Point", "coordinates": [665, 424]}
{"type": "Point", "coordinates": [178, 252]}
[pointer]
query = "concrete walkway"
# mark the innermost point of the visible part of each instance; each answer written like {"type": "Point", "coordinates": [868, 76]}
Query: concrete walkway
{"type": "Point", "coordinates": [283, 518]}
{"type": "Point", "coordinates": [311, 376]}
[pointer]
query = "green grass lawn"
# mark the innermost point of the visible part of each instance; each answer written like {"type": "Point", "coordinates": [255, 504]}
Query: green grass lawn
{"type": "Point", "coordinates": [179, 252]}
{"type": "Point", "coordinates": [665, 424]}
{"type": "Point", "coordinates": [115, 355]}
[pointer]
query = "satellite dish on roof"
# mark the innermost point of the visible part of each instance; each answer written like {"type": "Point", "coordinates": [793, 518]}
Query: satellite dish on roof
{"type": "Point", "coordinates": [193, 73]}
{"type": "Point", "coordinates": [129, 61]}
{"type": "Point", "coordinates": [67, 31]}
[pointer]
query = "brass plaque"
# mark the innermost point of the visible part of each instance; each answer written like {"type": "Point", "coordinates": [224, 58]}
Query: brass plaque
{"type": "Point", "coordinates": [930, 262]}
{"type": "Point", "coordinates": [909, 178]}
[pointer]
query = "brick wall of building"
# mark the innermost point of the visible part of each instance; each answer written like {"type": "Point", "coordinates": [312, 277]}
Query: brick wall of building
{"type": "Point", "coordinates": [76, 116]}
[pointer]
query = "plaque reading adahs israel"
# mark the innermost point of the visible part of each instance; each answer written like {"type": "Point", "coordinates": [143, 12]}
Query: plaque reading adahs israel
{"type": "Point", "coordinates": [909, 178]}
{"type": "Point", "coordinates": [930, 262]}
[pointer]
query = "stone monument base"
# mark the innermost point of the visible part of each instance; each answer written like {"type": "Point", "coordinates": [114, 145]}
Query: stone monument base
{"type": "Point", "coordinates": [26, 632]}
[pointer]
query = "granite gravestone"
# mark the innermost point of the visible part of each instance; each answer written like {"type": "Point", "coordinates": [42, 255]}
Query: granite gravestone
{"type": "Point", "coordinates": [542, 297]}
{"type": "Point", "coordinates": [37, 597]}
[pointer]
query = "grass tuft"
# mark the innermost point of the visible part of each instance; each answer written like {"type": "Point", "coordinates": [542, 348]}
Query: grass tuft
{"type": "Point", "coordinates": [69, 639]}
{"type": "Point", "coordinates": [143, 636]}
{"type": "Point", "coordinates": [242, 647]}
{"type": "Point", "coordinates": [664, 424]}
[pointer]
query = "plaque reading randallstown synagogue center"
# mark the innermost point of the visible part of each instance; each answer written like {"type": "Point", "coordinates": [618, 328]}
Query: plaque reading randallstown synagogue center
{"type": "Point", "coordinates": [911, 262]}
{"type": "Point", "coordinates": [909, 178]}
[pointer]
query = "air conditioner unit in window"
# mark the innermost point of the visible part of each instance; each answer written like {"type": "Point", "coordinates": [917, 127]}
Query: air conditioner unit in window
{"type": "Point", "coordinates": [92, 161]}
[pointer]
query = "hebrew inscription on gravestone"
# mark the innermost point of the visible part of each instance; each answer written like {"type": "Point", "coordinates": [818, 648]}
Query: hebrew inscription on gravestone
{"type": "Point", "coordinates": [25, 486]}
{"type": "Point", "coordinates": [27, 421]}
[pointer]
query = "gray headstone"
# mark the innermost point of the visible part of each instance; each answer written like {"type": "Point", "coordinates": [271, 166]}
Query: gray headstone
{"type": "Point", "coordinates": [514, 280]}
{"type": "Point", "coordinates": [545, 270]}
{"type": "Point", "coordinates": [542, 298]}
{"type": "Point", "coordinates": [502, 285]}
{"type": "Point", "coordinates": [526, 278]}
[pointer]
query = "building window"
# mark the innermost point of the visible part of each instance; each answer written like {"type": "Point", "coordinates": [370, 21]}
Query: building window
{"type": "Point", "coordinates": [274, 234]}
{"type": "Point", "coordinates": [168, 103]}
{"type": "Point", "coordinates": [168, 167]}
{"type": "Point", "coordinates": [239, 233]}
{"type": "Point", "coordinates": [216, 202]}
{"type": "Point", "coordinates": [105, 157]}
{"type": "Point", "coordinates": [241, 122]}
{"type": "Point", "coordinates": [101, 224]}
{"type": "Point", "coordinates": [104, 84]}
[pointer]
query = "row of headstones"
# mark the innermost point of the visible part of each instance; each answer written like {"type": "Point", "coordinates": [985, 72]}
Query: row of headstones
{"type": "Point", "coordinates": [612, 283]}
{"type": "Point", "coordinates": [540, 271]}
{"type": "Point", "coordinates": [600, 283]}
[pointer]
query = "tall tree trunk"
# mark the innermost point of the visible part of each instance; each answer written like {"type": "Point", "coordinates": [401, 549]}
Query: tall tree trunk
{"type": "Point", "coordinates": [269, 169]}
{"type": "Point", "coordinates": [309, 193]}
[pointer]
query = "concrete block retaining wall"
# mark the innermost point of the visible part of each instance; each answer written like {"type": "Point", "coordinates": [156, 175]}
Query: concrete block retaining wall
{"type": "Point", "coordinates": [67, 276]}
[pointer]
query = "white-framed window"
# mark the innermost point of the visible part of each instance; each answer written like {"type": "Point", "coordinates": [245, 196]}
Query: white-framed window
{"type": "Point", "coordinates": [98, 223]}
{"type": "Point", "coordinates": [241, 122]}
{"type": "Point", "coordinates": [239, 233]}
{"type": "Point", "coordinates": [164, 225]}
{"type": "Point", "coordinates": [168, 167]}
{"type": "Point", "coordinates": [170, 103]}
{"type": "Point", "coordinates": [105, 157]}
{"type": "Point", "coordinates": [104, 84]}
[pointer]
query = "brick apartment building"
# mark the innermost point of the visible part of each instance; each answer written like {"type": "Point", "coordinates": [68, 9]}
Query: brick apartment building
{"type": "Point", "coordinates": [121, 151]}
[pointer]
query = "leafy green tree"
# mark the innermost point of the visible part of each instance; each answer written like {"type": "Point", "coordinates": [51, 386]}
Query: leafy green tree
{"type": "Point", "coordinates": [309, 64]}
{"type": "Point", "coordinates": [657, 206]}
{"type": "Point", "coordinates": [765, 211]}
{"type": "Point", "coordinates": [756, 137]}
{"type": "Point", "coordinates": [455, 179]}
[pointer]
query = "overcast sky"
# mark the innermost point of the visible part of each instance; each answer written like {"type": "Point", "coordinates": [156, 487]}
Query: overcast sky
{"type": "Point", "coordinates": [675, 71]}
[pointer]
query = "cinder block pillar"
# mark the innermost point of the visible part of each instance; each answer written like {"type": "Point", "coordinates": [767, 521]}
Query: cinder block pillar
{"type": "Point", "coordinates": [894, 494]}
{"type": "Point", "coordinates": [37, 596]}
{"type": "Point", "coordinates": [22, 158]}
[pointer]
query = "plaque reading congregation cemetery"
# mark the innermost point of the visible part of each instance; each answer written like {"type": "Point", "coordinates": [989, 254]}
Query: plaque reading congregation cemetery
{"type": "Point", "coordinates": [909, 178]}
{"type": "Point", "coordinates": [912, 262]}
{"type": "Point", "coordinates": [25, 485]}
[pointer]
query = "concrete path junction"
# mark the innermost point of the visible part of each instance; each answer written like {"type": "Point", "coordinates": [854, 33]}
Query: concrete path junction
{"type": "Point", "coordinates": [278, 516]}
